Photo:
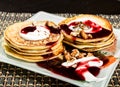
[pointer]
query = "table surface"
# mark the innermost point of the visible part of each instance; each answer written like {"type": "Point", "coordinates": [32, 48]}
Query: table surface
{"type": "Point", "coordinates": [12, 76]}
{"type": "Point", "coordinates": [71, 6]}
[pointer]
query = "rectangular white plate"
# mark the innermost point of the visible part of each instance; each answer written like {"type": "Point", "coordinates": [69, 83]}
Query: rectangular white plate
{"type": "Point", "coordinates": [33, 67]}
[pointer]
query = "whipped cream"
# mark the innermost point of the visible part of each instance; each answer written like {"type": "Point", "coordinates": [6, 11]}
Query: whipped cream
{"type": "Point", "coordinates": [83, 64]}
{"type": "Point", "coordinates": [91, 28]}
{"type": "Point", "coordinates": [38, 34]}
{"type": "Point", "coordinates": [98, 63]}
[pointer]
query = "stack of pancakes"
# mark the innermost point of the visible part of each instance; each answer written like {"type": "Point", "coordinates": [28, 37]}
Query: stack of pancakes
{"type": "Point", "coordinates": [33, 50]}
{"type": "Point", "coordinates": [92, 40]}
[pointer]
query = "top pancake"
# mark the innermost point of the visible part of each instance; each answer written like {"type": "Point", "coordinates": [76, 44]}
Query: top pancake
{"type": "Point", "coordinates": [104, 23]}
{"type": "Point", "coordinates": [96, 19]}
{"type": "Point", "coordinates": [86, 37]}
{"type": "Point", "coordinates": [48, 47]}
{"type": "Point", "coordinates": [12, 36]}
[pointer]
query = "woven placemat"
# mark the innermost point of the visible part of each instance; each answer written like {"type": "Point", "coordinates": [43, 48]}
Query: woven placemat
{"type": "Point", "coordinates": [12, 76]}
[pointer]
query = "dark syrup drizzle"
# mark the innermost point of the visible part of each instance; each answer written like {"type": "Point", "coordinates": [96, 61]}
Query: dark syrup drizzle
{"type": "Point", "coordinates": [48, 55]}
{"type": "Point", "coordinates": [52, 29]}
{"type": "Point", "coordinates": [58, 69]}
{"type": "Point", "coordinates": [65, 28]}
{"type": "Point", "coordinates": [52, 43]}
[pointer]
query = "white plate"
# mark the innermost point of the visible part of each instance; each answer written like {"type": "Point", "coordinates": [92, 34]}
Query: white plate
{"type": "Point", "coordinates": [33, 67]}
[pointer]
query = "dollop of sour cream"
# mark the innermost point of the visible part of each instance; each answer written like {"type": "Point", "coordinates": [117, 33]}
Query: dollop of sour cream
{"type": "Point", "coordinates": [39, 33]}
{"type": "Point", "coordinates": [91, 26]}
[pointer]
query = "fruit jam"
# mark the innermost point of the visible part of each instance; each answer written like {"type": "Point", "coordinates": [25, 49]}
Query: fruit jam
{"type": "Point", "coordinates": [97, 31]}
{"type": "Point", "coordinates": [33, 28]}
{"type": "Point", "coordinates": [28, 29]}
{"type": "Point", "coordinates": [60, 70]}
{"type": "Point", "coordinates": [57, 68]}
{"type": "Point", "coordinates": [52, 29]}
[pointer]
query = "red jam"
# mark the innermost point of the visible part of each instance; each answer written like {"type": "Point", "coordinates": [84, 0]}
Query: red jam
{"type": "Point", "coordinates": [83, 67]}
{"type": "Point", "coordinates": [67, 72]}
{"type": "Point", "coordinates": [73, 73]}
{"type": "Point", "coordinates": [95, 27]}
{"type": "Point", "coordinates": [28, 29]}
{"type": "Point", "coordinates": [65, 28]}
{"type": "Point", "coordinates": [51, 43]}
{"type": "Point", "coordinates": [73, 24]}
{"type": "Point", "coordinates": [48, 55]}
{"type": "Point", "coordinates": [97, 31]}
{"type": "Point", "coordinates": [52, 29]}
{"type": "Point", "coordinates": [33, 28]}
{"type": "Point", "coordinates": [93, 70]}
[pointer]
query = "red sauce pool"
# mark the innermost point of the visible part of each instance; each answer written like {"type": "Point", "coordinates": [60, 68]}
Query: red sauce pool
{"type": "Point", "coordinates": [67, 72]}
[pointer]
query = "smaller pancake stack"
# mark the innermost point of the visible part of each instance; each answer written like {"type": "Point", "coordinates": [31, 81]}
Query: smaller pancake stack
{"type": "Point", "coordinates": [45, 42]}
{"type": "Point", "coordinates": [88, 32]}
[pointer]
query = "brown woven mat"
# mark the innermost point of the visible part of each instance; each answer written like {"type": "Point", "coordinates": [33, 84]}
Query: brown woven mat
{"type": "Point", "coordinates": [12, 76]}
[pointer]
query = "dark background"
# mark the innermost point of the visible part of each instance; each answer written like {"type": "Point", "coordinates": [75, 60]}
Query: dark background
{"type": "Point", "coordinates": [62, 6]}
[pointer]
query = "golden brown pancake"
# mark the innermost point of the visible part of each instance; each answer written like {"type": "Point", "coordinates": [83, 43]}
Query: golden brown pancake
{"type": "Point", "coordinates": [33, 50]}
{"type": "Point", "coordinates": [87, 32]}
{"type": "Point", "coordinates": [12, 35]}
{"type": "Point", "coordinates": [32, 53]}
{"type": "Point", "coordinates": [29, 58]}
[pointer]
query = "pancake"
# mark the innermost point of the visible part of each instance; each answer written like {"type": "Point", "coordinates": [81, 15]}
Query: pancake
{"type": "Point", "coordinates": [12, 35]}
{"type": "Point", "coordinates": [29, 58]}
{"type": "Point", "coordinates": [54, 52]}
{"type": "Point", "coordinates": [96, 19]}
{"type": "Point", "coordinates": [54, 46]}
{"type": "Point", "coordinates": [87, 32]}
{"type": "Point", "coordinates": [33, 41]}
{"type": "Point", "coordinates": [93, 44]}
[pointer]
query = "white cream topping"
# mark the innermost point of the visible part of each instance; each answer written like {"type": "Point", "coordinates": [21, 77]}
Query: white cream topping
{"type": "Point", "coordinates": [90, 30]}
{"type": "Point", "coordinates": [79, 29]}
{"type": "Point", "coordinates": [70, 63]}
{"type": "Point", "coordinates": [40, 33]}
